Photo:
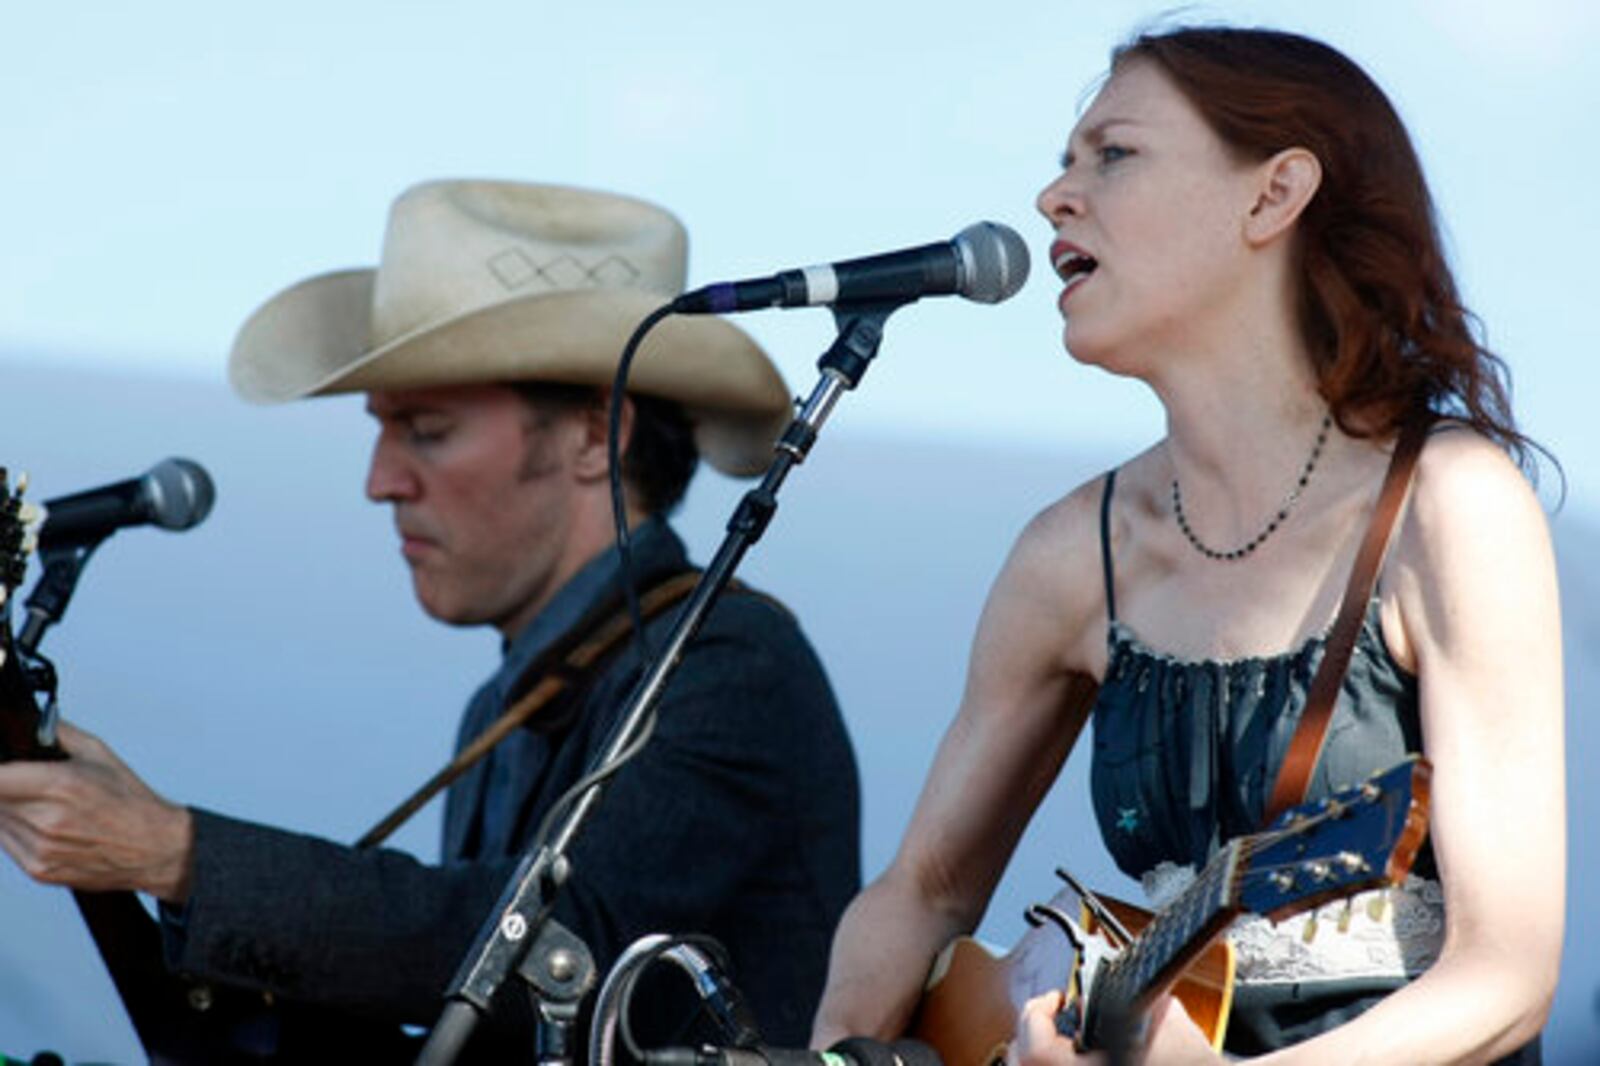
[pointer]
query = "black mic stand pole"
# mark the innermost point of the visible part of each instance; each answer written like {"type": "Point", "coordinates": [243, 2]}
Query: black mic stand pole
{"type": "Point", "coordinates": [553, 962]}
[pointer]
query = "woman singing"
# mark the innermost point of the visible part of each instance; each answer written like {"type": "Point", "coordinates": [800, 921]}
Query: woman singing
{"type": "Point", "coordinates": [1240, 222]}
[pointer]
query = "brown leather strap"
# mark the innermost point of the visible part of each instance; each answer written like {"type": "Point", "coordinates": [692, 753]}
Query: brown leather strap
{"type": "Point", "coordinates": [1294, 776]}
{"type": "Point", "coordinates": [555, 679]}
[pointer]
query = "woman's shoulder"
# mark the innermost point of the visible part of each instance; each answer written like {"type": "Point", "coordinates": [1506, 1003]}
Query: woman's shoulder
{"type": "Point", "coordinates": [1473, 527]}
{"type": "Point", "coordinates": [1076, 519]}
{"type": "Point", "coordinates": [1467, 486]}
{"type": "Point", "coordinates": [1054, 574]}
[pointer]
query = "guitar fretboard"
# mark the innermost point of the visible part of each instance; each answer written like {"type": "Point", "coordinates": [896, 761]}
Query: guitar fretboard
{"type": "Point", "coordinates": [1187, 921]}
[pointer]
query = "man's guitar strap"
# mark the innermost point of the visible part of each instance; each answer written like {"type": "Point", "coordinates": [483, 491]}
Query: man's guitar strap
{"type": "Point", "coordinates": [567, 662]}
{"type": "Point", "coordinates": [1294, 776]}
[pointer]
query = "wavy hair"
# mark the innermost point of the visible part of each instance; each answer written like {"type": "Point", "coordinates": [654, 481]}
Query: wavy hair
{"type": "Point", "coordinates": [1378, 305]}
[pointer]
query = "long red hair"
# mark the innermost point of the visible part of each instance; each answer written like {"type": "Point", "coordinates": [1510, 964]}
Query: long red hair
{"type": "Point", "coordinates": [1378, 304]}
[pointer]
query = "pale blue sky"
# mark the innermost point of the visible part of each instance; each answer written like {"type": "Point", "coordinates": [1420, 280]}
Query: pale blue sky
{"type": "Point", "coordinates": [171, 164]}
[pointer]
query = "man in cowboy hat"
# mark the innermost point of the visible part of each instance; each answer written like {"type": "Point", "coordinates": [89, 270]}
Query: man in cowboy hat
{"type": "Point", "coordinates": [484, 341]}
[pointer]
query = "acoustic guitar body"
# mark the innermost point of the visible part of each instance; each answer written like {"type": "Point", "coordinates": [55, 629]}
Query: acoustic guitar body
{"type": "Point", "coordinates": [970, 1006]}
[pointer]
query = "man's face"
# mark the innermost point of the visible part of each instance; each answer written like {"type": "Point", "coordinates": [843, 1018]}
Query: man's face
{"type": "Point", "coordinates": [484, 490]}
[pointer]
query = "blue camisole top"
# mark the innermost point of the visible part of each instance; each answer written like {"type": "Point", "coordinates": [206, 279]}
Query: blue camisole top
{"type": "Point", "coordinates": [1186, 750]}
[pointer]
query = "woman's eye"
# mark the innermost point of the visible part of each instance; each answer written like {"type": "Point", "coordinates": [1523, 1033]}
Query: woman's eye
{"type": "Point", "coordinates": [1112, 153]}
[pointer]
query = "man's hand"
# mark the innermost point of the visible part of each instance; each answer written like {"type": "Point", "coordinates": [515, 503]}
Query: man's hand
{"type": "Point", "coordinates": [90, 822]}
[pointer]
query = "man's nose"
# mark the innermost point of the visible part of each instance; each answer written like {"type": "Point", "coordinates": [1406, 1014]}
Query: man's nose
{"type": "Point", "coordinates": [389, 476]}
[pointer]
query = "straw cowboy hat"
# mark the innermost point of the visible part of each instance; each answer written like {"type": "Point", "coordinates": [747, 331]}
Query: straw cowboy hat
{"type": "Point", "coordinates": [492, 281]}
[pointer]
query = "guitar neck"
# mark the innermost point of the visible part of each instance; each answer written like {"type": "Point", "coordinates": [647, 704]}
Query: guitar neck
{"type": "Point", "coordinates": [1170, 942]}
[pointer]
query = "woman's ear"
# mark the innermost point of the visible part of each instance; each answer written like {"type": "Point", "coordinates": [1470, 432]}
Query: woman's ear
{"type": "Point", "coordinates": [1287, 182]}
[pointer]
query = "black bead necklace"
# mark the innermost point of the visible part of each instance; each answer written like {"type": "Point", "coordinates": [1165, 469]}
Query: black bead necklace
{"type": "Point", "coordinates": [1277, 519]}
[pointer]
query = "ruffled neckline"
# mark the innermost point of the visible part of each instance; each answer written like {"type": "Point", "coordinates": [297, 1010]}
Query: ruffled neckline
{"type": "Point", "coordinates": [1121, 638]}
{"type": "Point", "coordinates": [1121, 641]}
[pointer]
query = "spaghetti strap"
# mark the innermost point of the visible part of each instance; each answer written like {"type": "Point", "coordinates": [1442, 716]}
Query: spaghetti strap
{"type": "Point", "coordinates": [1105, 544]}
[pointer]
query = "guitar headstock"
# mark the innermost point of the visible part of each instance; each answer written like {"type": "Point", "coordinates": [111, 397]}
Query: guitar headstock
{"type": "Point", "coordinates": [1363, 837]}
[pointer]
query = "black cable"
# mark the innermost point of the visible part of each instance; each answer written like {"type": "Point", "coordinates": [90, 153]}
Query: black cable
{"type": "Point", "coordinates": [710, 945]}
{"type": "Point", "coordinates": [626, 569]}
{"type": "Point", "coordinates": [619, 508]}
{"type": "Point", "coordinates": [589, 780]}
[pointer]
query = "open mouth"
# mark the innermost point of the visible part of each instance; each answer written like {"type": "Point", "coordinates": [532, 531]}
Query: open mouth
{"type": "Point", "coordinates": [1072, 265]}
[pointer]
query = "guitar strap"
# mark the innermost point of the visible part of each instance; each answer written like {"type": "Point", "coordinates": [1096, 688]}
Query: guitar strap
{"type": "Point", "coordinates": [554, 673]}
{"type": "Point", "coordinates": [1294, 776]}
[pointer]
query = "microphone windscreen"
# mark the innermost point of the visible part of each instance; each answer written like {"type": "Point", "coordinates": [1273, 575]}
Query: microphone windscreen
{"type": "Point", "coordinates": [996, 258]}
{"type": "Point", "coordinates": [180, 493]}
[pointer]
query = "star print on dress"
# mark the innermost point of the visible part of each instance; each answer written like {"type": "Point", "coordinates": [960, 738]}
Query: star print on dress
{"type": "Point", "coordinates": [1127, 819]}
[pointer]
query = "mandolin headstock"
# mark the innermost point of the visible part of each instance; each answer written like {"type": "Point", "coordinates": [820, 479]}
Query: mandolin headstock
{"type": "Point", "coordinates": [20, 680]}
{"type": "Point", "coordinates": [18, 531]}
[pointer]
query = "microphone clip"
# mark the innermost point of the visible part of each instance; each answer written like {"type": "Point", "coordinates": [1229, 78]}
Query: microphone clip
{"type": "Point", "coordinates": [860, 335]}
{"type": "Point", "coordinates": [58, 579]}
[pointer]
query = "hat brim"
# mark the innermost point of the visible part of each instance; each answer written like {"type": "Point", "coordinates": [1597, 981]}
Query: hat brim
{"type": "Point", "coordinates": [311, 340]}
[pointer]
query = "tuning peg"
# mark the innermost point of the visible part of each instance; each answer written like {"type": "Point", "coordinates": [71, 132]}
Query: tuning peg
{"type": "Point", "coordinates": [1353, 862]}
{"type": "Point", "coordinates": [1309, 933]}
{"type": "Point", "coordinates": [1378, 905]}
{"type": "Point", "coordinates": [1344, 914]}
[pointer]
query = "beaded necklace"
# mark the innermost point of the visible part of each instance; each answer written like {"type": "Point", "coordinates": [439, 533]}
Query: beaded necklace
{"type": "Point", "coordinates": [1277, 520]}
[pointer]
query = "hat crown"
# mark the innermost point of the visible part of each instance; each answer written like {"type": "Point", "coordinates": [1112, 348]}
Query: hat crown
{"type": "Point", "coordinates": [454, 247]}
{"type": "Point", "coordinates": [495, 281]}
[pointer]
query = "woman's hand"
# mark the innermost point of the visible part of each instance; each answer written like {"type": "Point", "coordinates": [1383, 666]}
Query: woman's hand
{"type": "Point", "coordinates": [1171, 1038]}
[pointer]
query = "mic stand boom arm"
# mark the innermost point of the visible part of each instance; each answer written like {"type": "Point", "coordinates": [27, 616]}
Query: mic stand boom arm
{"type": "Point", "coordinates": [515, 935]}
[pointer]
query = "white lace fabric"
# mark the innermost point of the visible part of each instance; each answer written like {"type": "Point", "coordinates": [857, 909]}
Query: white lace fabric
{"type": "Point", "coordinates": [1380, 934]}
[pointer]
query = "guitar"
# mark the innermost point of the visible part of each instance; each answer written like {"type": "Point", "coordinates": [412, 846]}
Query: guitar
{"type": "Point", "coordinates": [1116, 959]}
{"type": "Point", "coordinates": [178, 1020]}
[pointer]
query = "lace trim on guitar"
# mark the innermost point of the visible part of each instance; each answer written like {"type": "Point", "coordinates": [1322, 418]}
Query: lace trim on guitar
{"type": "Point", "coordinates": [1382, 933]}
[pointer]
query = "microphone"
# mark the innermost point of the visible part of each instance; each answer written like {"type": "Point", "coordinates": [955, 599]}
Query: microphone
{"type": "Point", "coordinates": [986, 262]}
{"type": "Point", "coordinates": [174, 494]}
{"type": "Point", "coordinates": [852, 1051]}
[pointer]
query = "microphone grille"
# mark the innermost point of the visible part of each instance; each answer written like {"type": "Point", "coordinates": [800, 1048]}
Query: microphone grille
{"type": "Point", "coordinates": [180, 493]}
{"type": "Point", "coordinates": [995, 261]}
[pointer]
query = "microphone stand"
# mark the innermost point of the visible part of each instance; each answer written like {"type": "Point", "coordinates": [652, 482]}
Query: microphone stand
{"type": "Point", "coordinates": [46, 604]}
{"type": "Point", "coordinates": [520, 934]}
{"type": "Point", "coordinates": [62, 566]}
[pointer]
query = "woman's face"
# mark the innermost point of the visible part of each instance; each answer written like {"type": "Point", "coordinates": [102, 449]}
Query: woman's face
{"type": "Point", "coordinates": [1149, 213]}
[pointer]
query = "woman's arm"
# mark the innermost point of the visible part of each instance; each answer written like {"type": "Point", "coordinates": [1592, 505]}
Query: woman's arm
{"type": "Point", "coordinates": [1025, 702]}
{"type": "Point", "coordinates": [1474, 582]}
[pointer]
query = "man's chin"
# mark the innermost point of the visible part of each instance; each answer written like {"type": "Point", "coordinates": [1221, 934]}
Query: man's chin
{"type": "Point", "coordinates": [440, 606]}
